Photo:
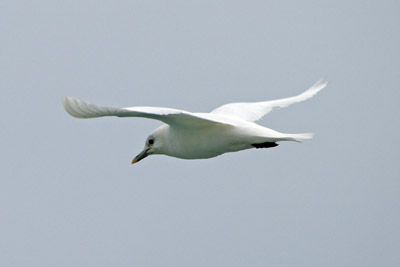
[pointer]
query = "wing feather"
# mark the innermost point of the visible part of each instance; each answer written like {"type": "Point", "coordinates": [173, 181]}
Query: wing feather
{"type": "Point", "coordinates": [255, 111]}
{"type": "Point", "coordinates": [174, 117]}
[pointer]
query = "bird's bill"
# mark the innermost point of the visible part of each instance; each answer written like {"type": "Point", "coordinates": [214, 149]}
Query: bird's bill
{"type": "Point", "coordinates": [141, 156]}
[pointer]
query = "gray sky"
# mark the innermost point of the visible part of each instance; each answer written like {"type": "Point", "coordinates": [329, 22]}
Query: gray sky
{"type": "Point", "coordinates": [70, 197]}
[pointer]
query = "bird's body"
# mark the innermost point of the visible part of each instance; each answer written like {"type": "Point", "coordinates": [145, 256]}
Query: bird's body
{"type": "Point", "coordinates": [212, 141]}
{"type": "Point", "coordinates": [186, 135]}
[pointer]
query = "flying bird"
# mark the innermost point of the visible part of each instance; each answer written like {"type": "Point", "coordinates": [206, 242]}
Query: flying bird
{"type": "Point", "coordinates": [188, 135]}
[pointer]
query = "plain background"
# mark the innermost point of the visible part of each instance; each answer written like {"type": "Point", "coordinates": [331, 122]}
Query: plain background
{"type": "Point", "coordinates": [70, 197]}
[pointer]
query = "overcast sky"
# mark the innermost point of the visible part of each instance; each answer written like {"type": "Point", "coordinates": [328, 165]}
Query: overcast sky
{"type": "Point", "coordinates": [70, 197]}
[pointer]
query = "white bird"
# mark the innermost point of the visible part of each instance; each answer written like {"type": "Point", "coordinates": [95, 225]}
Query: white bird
{"type": "Point", "coordinates": [187, 135]}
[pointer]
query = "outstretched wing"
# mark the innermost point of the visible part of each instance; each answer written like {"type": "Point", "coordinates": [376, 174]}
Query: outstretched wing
{"type": "Point", "coordinates": [174, 117]}
{"type": "Point", "coordinates": [255, 111]}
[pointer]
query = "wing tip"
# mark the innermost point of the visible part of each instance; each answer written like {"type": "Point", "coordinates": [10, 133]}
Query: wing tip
{"type": "Point", "coordinates": [71, 106]}
{"type": "Point", "coordinates": [318, 86]}
{"type": "Point", "coordinates": [321, 84]}
{"type": "Point", "coordinates": [66, 101]}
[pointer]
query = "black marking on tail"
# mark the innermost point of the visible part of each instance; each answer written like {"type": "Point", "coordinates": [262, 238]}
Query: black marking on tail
{"type": "Point", "coordinates": [265, 145]}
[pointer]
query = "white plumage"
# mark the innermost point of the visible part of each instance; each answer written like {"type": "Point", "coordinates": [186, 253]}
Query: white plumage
{"type": "Point", "coordinates": [189, 135]}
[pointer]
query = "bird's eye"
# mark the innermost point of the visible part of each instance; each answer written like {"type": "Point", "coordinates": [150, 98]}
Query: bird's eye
{"type": "Point", "coordinates": [151, 141]}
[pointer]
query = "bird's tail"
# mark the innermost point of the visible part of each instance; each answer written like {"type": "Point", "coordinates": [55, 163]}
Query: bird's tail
{"type": "Point", "coordinates": [300, 137]}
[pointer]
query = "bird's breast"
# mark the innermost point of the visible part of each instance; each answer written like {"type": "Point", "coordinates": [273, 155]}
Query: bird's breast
{"type": "Point", "coordinates": [202, 143]}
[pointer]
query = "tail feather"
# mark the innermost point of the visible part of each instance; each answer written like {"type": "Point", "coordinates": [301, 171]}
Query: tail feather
{"type": "Point", "coordinates": [300, 137]}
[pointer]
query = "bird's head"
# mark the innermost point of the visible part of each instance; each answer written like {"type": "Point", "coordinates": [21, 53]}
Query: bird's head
{"type": "Point", "coordinates": [153, 145]}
